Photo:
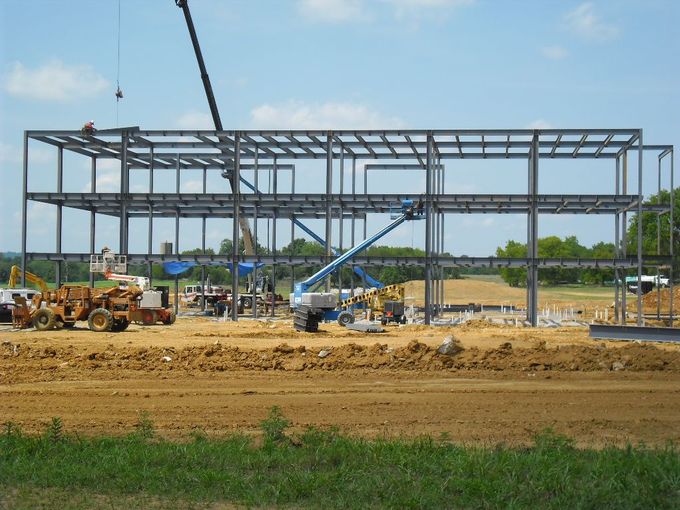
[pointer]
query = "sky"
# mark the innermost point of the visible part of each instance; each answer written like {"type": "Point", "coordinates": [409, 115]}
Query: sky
{"type": "Point", "coordinates": [341, 64]}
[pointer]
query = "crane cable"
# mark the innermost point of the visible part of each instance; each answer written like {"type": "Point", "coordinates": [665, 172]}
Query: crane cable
{"type": "Point", "coordinates": [119, 92]}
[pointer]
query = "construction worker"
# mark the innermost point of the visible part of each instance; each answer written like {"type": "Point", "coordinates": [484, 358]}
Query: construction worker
{"type": "Point", "coordinates": [88, 129]}
{"type": "Point", "coordinates": [419, 207]}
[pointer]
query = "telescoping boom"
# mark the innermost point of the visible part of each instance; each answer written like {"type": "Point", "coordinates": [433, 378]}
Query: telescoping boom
{"type": "Point", "coordinates": [313, 307]}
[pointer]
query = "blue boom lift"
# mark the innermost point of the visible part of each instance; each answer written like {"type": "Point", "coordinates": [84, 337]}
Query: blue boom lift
{"type": "Point", "coordinates": [313, 307]}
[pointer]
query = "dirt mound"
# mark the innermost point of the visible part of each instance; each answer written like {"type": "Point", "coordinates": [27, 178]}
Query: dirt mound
{"type": "Point", "coordinates": [650, 300]}
{"type": "Point", "coordinates": [49, 363]}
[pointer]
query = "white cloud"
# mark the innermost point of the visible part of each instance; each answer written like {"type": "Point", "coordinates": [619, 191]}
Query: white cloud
{"type": "Point", "coordinates": [54, 81]}
{"type": "Point", "coordinates": [329, 115]}
{"type": "Point", "coordinates": [331, 11]}
{"type": "Point", "coordinates": [554, 52]}
{"type": "Point", "coordinates": [584, 22]}
{"type": "Point", "coordinates": [108, 176]}
{"type": "Point", "coordinates": [539, 124]}
{"type": "Point", "coordinates": [195, 120]}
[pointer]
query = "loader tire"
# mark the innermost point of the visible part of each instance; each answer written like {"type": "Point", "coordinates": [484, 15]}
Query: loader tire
{"type": "Point", "coordinates": [345, 318]}
{"type": "Point", "coordinates": [120, 324]}
{"type": "Point", "coordinates": [100, 320]}
{"type": "Point", "coordinates": [247, 302]}
{"type": "Point", "coordinates": [170, 319]}
{"type": "Point", "coordinates": [44, 319]}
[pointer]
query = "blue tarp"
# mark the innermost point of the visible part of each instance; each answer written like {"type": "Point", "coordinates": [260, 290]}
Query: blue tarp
{"type": "Point", "coordinates": [244, 268]}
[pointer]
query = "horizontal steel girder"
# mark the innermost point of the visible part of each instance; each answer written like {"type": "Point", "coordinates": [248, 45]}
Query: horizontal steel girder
{"type": "Point", "coordinates": [647, 333]}
{"type": "Point", "coordinates": [312, 205]}
{"type": "Point", "coordinates": [215, 149]}
{"type": "Point", "coordinates": [442, 261]}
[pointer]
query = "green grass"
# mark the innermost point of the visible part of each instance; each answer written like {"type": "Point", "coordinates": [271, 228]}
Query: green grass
{"type": "Point", "coordinates": [324, 469]}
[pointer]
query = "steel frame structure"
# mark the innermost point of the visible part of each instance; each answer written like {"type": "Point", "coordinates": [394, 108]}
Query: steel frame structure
{"type": "Point", "coordinates": [275, 151]}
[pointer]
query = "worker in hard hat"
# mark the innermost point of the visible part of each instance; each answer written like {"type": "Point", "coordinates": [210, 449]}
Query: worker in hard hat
{"type": "Point", "coordinates": [88, 129]}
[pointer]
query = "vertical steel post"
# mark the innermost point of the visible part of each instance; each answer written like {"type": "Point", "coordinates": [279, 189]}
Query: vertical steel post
{"type": "Point", "coordinates": [253, 279]}
{"type": "Point", "coordinates": [149, 240]}
{"type": "Point", "coordinates": [639, 233]}
{"type": "Point", "coordinates": [60, 189]}
{"type": "Point", "coordinates": [617, 243]}
{"type": "Point", "coordinates": [236, 192]}
{"type": "Point", "coordinates": [176, 283]}
{"type": "Point", "coordinates": [24, 211]}
{"type": "Point", "coordinates": [93, 189]}
{"type": "Point", "coordinates": [353, 223]}
{"type": "Point", "coordinates": [441, 234]}
{"type": "Point", "coordinates": [341, 218]}
{"type": "Point", "coordinates": [204, 221]}
{"type": "Point", "coordinates": [123, 233]}
{"type": "Point", "coordinates": [624, 236]}
{"type": "Point", "coordinates": [671, 242]}
{"type": "Point", "coordinates": [532, 273]}
{"type": "Point", "coordinates": [428, 231]}
{"type": "Point", "coordinates": [275, 182]}
{"type": "Point", "coordinates": [329, 192]}
{"type": "Point", "coordinates": [292, 234]}
{"type": "Point", "coordinates": [658, 248]}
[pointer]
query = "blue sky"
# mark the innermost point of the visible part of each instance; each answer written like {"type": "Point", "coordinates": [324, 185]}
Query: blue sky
{"type": "Point", "coordinates": [342, 64]}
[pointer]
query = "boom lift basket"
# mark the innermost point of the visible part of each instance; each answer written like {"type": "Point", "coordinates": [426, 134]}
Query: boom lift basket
{"type": "Point", "coordinates": [108, 262]}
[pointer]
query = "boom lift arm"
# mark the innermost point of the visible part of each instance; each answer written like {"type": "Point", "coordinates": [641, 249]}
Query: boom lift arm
{"type": "Point", "coordinates": [312, 307]}
{"type": "Point", "coordinates": [357, 269]}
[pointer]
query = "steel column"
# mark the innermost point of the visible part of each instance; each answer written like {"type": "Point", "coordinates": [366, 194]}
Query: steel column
{"type": "Point", "coordinates": [617, 247]}
{"type": "Point", "coordinates": [329, 193]}
{"type": "Point", "coordinates": [60, 189]}
{"type": "Point", "coordinates": [93, 189]}
{"type": "Point", "coordinates": [671, 242]}
{"type": "Point", "coordinates": [149, 238]}
{"type": "Point", "coordinates": [24, 211]}
{"type": "Point", "coordinates": [639, 233]}
{"type": "Point", "coordinates": [624, 237]}
{"type": "Point", "coordinates": [532, 241]}
{"type": "Point", "coordinates": [123, 232]}
{"type": "Point", "coordinates": [428, 231]}
{"type": "Point", "coordinates": [236, 190]}
{"type": "Point", "coordinates": [255, 248]}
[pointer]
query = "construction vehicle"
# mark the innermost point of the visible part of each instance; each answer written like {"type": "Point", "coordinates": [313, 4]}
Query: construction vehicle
{"type": "Point", "coordinates": [9, 296]}
{"type": "Point", "coordinates": [63, 307]}
{"type": "Point", "coordinates": [197, 295]}
{"type": "Point", "coordinates": [133, 301]}
{"type": "Point", "coordinates": [15, 272]}
{"type": "Point", "coordinates": [386, 303]}
{"type": "Point", "coordinates": [312, 307]}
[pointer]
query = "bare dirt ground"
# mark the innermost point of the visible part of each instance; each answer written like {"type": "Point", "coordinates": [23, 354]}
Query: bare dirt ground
{"type": "Point", "coordinates": [504, 385]}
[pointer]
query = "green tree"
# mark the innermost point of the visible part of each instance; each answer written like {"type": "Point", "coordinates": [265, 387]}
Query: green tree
{"type": "Point", "coordinates": [513, 276]}
{"type": "Point", "coordinates": [650, 221]}
{"type": "Point", "coordinates": [599, 276]}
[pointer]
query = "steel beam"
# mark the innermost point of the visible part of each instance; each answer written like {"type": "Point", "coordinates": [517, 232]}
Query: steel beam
{"type": "Point", "coordinates": [647, 334]}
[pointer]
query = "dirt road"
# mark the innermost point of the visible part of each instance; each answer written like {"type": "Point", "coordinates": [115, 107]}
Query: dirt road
{"type": "Point", "coordinates": [503, 385]}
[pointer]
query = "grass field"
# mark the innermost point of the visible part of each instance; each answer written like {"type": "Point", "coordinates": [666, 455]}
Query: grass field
{"type": "Point", "coordinates": [322, 469]}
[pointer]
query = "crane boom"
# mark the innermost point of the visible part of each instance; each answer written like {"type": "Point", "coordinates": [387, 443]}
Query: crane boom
{"type": "Point", "coordinates": [248, 240]}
